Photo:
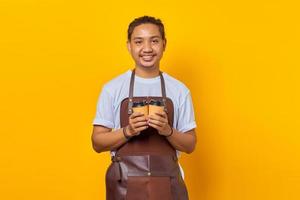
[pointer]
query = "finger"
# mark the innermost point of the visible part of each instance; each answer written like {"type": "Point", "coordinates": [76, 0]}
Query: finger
{"type": "Point", "coordinates": [138, 119]}
{"type": "Point", "coordinates": [161, 114]}
{"type": "Point", "coordinates": [154, 116]}
{"type": "Point", "coordinates": [158, 118]}
{"type": "Point", "coordinates": [154, 126]}
{"type": "Point", "coordinates": [141, 128]}
{"type": "Point", "coordinates": [140, 124]}
{"type": "Point", "coordinates": [136, 114]}
{"type": "Point", "coordinates": [157, 123]}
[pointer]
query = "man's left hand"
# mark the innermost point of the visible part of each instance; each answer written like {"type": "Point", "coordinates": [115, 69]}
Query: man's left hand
{"type": "Point", "coordinates": [159, 121]}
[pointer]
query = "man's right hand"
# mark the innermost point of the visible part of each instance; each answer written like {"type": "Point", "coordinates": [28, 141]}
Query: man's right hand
{"type": "Point", "coordinates": [137, 123]}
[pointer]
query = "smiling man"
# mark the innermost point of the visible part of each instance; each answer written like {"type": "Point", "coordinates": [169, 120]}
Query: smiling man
{"type": "Point", "coordinates": [145, 118]}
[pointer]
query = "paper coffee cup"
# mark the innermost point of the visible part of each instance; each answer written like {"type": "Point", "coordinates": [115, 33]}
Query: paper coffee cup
{"type": "Point", "coordinates": [155, 106]}
{"type": "Point", "coordinates": [155, 109]}
{"type": "Point", "coordinates": [140, 107]}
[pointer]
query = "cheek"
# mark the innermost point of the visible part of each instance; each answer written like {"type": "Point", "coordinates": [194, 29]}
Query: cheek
{"type": "Point", "coordinates": [159, 49]}
{"type": "Point", "coordinates": [136, 54]}
{"type": "Point", "coordinates": [136, 50]}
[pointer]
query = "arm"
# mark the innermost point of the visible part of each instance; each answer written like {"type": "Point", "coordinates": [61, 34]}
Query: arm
{"type": "Point", "coordinates": [185, 142]}
{"type": "Point", "coordinates": [104, 139]}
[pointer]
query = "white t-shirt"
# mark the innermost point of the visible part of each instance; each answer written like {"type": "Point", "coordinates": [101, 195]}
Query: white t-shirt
{"type": "Point", "coordinates": [113, 92]}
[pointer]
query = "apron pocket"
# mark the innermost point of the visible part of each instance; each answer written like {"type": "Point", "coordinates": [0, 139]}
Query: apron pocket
{"type": "Point", "coordinates": [148, 188]}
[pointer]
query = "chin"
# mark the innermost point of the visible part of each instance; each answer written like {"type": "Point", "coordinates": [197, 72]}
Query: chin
{"type": "Point", "coordinates": [149, 66]}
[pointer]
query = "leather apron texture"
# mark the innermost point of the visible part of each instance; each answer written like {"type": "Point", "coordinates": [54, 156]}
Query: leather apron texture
{"type": "Point", "coordinates": [145, 167]}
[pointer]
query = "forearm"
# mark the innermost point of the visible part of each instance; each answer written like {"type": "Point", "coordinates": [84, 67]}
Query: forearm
{"type": "Point", "coordinates": [108, 140]}
{"type": "Point", "coordinates": [185, 142]}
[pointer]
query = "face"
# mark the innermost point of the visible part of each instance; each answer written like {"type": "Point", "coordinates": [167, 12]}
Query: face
{"type": "Point", "coordinates": [146, 46]}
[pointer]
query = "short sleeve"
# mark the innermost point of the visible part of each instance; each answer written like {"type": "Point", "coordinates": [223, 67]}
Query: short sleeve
{"type": "Point", "coordinates": [104, 113]}
{"type": "Point", "coordinates": [186, 117]}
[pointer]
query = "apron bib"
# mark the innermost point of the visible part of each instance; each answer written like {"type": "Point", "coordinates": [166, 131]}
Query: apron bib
{"type": "Point", "coordinates": [146, 167]}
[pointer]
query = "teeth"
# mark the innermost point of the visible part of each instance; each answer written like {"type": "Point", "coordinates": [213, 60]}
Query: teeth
{"type": "Point", "coordinates": [147, 57]}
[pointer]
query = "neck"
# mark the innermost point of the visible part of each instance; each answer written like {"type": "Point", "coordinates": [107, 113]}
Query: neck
{"type": "Point", "coordinates": [147, 72]}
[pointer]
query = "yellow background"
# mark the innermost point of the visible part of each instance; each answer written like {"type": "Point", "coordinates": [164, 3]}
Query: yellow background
{"type": "Point", "coordinates": [240, 60]}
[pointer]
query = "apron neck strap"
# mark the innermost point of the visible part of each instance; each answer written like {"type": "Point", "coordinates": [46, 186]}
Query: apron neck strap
{"type": "Point", "coordinates": [131, 88]}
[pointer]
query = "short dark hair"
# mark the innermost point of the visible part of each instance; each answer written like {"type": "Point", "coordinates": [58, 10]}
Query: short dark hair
{"type": "Point", "coordinates": [146, 20]}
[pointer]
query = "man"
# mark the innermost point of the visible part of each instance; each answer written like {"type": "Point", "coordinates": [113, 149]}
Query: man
{"type": "Point", "coordinates": [144, 148]}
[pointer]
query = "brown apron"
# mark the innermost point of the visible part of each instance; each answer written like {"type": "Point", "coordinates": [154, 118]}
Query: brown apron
{"type": "Point", "coordinates": [146, 167]}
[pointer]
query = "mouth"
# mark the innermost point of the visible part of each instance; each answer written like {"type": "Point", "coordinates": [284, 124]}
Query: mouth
{"type": "Point", "coordinates": [147, 58]}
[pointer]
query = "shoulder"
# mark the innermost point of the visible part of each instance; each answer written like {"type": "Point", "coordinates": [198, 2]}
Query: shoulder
{"type": "Point", "coordinates": [117, 83]}
{"type": "Point", "coordinates": [175, 85]}
{"type": "Point", "coordinates": [176, 90]}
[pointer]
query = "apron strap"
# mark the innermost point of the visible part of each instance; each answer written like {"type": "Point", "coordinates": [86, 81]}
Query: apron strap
{"type": "Point", "coordinates": [131, 88]}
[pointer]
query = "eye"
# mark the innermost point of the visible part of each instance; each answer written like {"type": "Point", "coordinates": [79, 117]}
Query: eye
{"type": "Point", "coordinates": [138, 42]}
{"type": "Point", "coordinates": [155, 41]}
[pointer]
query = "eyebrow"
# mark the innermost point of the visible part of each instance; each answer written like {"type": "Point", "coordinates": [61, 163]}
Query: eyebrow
{"type": "Point", "coordinates": [137, 38]}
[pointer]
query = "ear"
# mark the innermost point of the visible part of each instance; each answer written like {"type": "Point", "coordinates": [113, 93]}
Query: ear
{"type": "Point", "coordinates": [128, 46]}
{"type": "Point", "coordinates": [165, 44]}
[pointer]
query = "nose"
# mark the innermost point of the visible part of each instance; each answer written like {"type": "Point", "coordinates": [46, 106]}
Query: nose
{"type": "Point", "coordinates": [147, 47]}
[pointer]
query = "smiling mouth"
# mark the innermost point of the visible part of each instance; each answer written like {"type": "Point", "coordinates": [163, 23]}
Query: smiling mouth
{"type": "Point", "coordinates": [147, 57]}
